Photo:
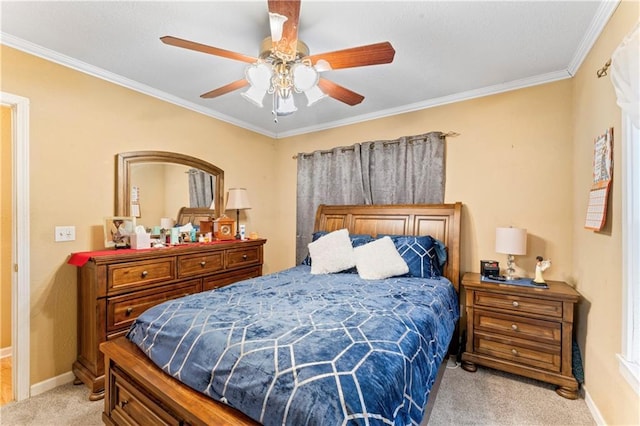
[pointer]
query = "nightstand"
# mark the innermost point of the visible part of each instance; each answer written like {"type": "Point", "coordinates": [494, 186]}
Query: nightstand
{"type": "Point", "coordinates": [521, 330]}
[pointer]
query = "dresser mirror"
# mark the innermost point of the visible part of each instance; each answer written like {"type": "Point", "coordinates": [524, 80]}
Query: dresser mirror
{"type": "Point", "coordinates": [155, 184]}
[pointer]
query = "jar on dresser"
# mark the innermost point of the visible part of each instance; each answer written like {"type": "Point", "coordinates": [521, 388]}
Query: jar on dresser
{"type": "Point", "coordinates": [116, 286]}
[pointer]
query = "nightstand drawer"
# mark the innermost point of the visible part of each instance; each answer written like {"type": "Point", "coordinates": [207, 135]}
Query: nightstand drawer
{"type": "Point", "coordinates": [548, 308]}
{"type": "Point", "coordinates": [518, 326]}
{"type": "Point", "coordinates": [243, 257]}
{"type": "Point", "coordinates": [189, 266]}
{"type": "Point", "coordinates": [125, 276]}
{"type": "Point", "coordinates": [533, 354]}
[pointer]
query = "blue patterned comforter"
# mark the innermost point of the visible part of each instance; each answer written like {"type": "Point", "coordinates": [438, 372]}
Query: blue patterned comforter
{"type": "Point", "coordinates": [299, 349]}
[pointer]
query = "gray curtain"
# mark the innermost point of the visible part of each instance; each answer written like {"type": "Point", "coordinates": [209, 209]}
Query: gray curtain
{"type": "Point", "coordinates": [325, 177]}
{"type": "Point", "coordinates": [201, 188]}
{"type": "Point", "coordinates": [409, 170]}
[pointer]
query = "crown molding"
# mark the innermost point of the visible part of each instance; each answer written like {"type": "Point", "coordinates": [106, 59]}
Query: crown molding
{"type": "Point", "coordinates": [600, 20]}
{"type": "Point", "coordinates": [69, 62]}
{"type": "Point", "coordinates": [431, 103]}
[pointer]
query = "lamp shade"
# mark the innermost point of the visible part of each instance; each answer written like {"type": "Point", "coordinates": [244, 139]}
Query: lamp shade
{"type": "Point", "coordinates": [237, 199]}
{"type": "Point", "coordinates": [511, 241]}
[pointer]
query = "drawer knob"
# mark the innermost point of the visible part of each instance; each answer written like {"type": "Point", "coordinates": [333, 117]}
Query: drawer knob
{"type": "Point", "coordinates": [515, 304]}
{"type": "Point", "coordinates": [144, 274]}
{"type": "Point", "coordinates": [244, 257]}
{"type": "Point", "coordinates": [514, 327]}
{"type": "Point", "coordinates": [513, 351]}
{"type": "Point", "coordinates": [128, 311]}
{"type": "Point", "coordinates": [123, 403]}
{"type": "Point", "coordinates": [203, 263]}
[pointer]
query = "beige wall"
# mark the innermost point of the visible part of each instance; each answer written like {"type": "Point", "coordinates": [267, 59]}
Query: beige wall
{"type": "Point", "coordinates": [522, 159]}
{"type": "Point", "coordinates": [5, 226]}
{"type": "Point", "coordinates": [597, 255]}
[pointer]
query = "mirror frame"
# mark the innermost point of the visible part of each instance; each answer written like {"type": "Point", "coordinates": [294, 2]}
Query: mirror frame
{"type": "Point", "coordinates": [124, 160]}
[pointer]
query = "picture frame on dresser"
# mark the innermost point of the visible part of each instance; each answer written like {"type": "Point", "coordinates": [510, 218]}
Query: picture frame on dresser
{"type": "Point", "coordinates": [117, 230]}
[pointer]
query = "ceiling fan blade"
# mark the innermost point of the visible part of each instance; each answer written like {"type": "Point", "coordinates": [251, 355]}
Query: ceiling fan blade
{"type": "Point", "coordinates": [339, 93]}
{"type": "Point", "coordinates": [192, 45]}
{"type": "Point", "coordinates": [372, 54]}
{"type": "Point", "coordinates": [225, 89]}
{"type": "Point", "coordinates": [286, 44]}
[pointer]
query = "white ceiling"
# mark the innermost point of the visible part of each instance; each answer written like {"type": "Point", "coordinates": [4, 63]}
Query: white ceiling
{"type": "Point", "coordinates": [446, 51]}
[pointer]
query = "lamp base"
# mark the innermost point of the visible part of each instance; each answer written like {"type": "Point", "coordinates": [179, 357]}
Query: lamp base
{"type": "Point", "coordinates": [510, 269]}
{"type": "Point", "coordinates": [237, 236]}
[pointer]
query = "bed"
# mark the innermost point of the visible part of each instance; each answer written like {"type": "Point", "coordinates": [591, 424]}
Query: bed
{"type": "Point", "coordinates": [280, 382]}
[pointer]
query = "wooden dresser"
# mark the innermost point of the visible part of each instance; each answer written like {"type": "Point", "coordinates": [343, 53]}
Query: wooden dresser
{"type": "Point", "coordinates": [522, 330]}
{"type": "Point", "coordinates": [114, 287]}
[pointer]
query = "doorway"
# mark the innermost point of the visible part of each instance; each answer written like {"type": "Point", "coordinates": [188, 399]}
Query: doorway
{"type": "Point", "coordinates": [20, 246]}
{"type": "Point", "coordinates": [6, 257]}
{"type": "Point", "coordinates": [6, 253]}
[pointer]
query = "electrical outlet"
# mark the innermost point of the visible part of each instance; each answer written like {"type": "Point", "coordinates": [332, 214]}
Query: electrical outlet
{"type": "Point", "coordinates": [65, 233]}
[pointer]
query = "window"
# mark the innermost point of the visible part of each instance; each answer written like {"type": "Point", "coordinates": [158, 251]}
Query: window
{"type": "Point", "coordinates": [630, 357]}
{"type": "Point", "coordinates": [626, 81]}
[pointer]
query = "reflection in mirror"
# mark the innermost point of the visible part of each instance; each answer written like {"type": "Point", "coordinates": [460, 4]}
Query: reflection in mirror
{"type": "Point", "coordinates": [152, 185]}
{"type": "Point", "coordinates": [162, 189]}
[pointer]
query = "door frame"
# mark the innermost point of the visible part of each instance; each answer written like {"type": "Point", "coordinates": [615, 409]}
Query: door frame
{"type": "Point", "coordinates": [20, 281]}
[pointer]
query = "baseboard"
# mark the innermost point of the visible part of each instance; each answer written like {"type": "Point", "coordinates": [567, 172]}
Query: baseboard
{"type": "Point", "coordinates": [5, 352]}
{"type": "Point", "coordinates": [593, 409]}
{"type": "Point", "coordinates": [52, 383]}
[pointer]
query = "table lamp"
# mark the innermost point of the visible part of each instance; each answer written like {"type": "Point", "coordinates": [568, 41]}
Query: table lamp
{"type": "Point", "coordinates": [511, 241]}
{"type": "Point", "coordinates": [237, 199]}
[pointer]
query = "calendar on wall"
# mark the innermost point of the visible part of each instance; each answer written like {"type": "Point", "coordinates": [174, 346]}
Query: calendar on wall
{"type": "Point", "coordinates": [602, 175]}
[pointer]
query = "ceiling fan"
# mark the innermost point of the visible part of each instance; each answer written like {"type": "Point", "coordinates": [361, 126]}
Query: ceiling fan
{"type": "Point", "coordinates": [284, 65]}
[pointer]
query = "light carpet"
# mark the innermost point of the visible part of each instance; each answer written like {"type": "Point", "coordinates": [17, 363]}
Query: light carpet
{"type": "Point", "coordinates": [486, 397]}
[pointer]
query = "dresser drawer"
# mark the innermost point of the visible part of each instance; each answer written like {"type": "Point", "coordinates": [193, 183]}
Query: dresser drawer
{"type": "Point", "coordinates": [243, 257]}
{"type": "Point", "coordinates": [131, 275]}
{"type": "Point", "coordinates": [226, 278]}
{"type": "Point", "coordinates": [129, 405]}
{"type": "Point", "coordinates": [518, 326]}
{"type": "Point", "coordinates": [538, 355]}
{"type": "Point", "coordinates": [543, 307]}
{"type": "Point", "coordinates": [122, 310]}
{"type": "Point", "coordinates": [199, 264]}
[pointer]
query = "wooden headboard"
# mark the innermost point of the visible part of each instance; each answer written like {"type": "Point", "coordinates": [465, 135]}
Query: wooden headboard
{"type": "Point", "coordinates": [441, 221]}
{"type": "Point", "coordinates": [194, 215]}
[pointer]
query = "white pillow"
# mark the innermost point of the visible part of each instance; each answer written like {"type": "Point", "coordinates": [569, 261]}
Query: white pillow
{"type": "Point", "coordinates": [379, 259]}
{"type": "Point", "coordinates": [331, 253]}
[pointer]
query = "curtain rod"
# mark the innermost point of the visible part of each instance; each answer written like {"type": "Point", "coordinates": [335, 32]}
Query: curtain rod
{"type": "Point", "coordinates": [449, 134]}
{"type": "Point", "coordinates": [603, 71]}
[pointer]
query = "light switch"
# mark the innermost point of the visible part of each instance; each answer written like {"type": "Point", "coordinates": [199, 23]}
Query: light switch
{"type": "Point", "coordinates": [65, 233]}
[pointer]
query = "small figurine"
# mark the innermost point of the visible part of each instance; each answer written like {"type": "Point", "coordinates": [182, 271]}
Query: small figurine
{"type": "Point", "coordinates": [541, 266]}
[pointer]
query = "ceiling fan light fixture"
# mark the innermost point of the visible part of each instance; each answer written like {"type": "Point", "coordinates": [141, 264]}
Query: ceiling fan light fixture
{"type": "Point", "coordinates": [283, 105]}
{"type": "Point", "coordinates": [276, 22]}
{"type": "Point", "coordinates": [284, 66]}
{"type": "Point", "coordinates": [322, 66]}
{"type": "Point", "coordinates": [254, 95]}
{"type": "Point", "coordinates": [313, 95]}
{"type": "Point", "coordinates": [305, 76]}
{"type": "Point", "coordinates": [259, 75]}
